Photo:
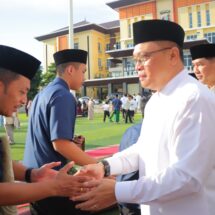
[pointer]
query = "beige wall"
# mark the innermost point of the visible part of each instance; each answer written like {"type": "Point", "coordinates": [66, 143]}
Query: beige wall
{"type": "Point", "coordinates": [183, 15]}
{"type": "Point", "coordinates": [49, 49]}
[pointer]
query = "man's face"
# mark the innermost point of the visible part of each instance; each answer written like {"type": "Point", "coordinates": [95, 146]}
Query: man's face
{"type": "Point", "coordinates": [77, 77]}
{"type": "Point", "coordinates": [151, 63]}
{"type": "Point", "coordinates": [204, 70]}
{"type": "Point", "coordinates": [13, 95]}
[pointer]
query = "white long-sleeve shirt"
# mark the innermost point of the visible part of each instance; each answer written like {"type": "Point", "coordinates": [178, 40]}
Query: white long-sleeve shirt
{"type": "Point", "coordinates": [174, 153]}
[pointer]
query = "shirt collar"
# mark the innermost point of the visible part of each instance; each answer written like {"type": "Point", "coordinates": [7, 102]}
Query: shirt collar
{"type": "Point", "coordinates": [173, 83]}
{"type": "Point", "coordinates": [60, 81]}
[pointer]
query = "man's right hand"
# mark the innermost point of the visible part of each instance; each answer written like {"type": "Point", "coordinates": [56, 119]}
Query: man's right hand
{"type": "Point", "coordinates": [68, 185]}
{"type": "Point", "coordinates": [95, 171]}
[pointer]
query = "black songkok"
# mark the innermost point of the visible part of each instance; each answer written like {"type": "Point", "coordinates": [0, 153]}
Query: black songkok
{"type": "Point", "coordinates": [202, 51]}
{"type": "Point", "coordinates": [18, 61]}
{"type": "Point", "coordinates": [158, 30]}
{"type": "Point", "coordinates": [70, 55]}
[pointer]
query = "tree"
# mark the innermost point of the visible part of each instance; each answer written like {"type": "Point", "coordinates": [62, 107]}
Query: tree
{"type": "Point", "coordinates": [35, 84]}
{"type": "Point", "coordinates": [48, 76]}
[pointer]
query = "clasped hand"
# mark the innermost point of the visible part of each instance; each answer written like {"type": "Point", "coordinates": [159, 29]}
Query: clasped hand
{"type": "Point", "coordinates": [99, 192]}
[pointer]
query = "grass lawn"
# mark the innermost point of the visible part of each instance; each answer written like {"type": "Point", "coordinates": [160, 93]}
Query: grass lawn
{"type": "Point", "coordinates": [97, 134]}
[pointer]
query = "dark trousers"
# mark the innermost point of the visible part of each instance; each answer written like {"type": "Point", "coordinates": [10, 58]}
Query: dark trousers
{"type": "Point", "coordinates": [129, 116]}
{"type": "Point", "coordinates": [55, 206]}
{"type": "Point", "coordinates": [124, 111]}
{"type": "Point", "coordinates": [106, 114]}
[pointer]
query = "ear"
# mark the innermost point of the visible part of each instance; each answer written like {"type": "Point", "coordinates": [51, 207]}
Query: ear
{"type": "Point", "coordinates": [174, 55]}
{"type": "Point", "coordinates": [70, 70]}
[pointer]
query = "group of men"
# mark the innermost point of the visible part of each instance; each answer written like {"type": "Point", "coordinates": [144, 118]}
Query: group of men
{"type": "Point", "coordinates": [174, 153]}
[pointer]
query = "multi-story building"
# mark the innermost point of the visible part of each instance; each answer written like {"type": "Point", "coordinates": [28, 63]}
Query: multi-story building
{"type": "Point", "coordinates": [110, 45]}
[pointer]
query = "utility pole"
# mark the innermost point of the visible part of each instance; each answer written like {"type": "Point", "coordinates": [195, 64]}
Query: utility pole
{"type": "Point", "coordinates": [71, 31]}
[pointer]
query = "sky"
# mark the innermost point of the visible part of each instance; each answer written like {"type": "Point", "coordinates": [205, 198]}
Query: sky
{"type": "Point", "coordinates": [23, 20]}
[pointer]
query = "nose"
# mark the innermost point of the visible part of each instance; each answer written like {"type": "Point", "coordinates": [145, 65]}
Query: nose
{"type": "Point", "coordinates": [24, 99]}
{"type": "Point", "coordinates": [138, 67]}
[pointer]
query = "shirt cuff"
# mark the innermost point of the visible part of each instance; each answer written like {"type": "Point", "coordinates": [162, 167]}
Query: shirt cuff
{"type": "Point", "coordinates": [115, 165]}
{"type": "Point", "coordinates": [123, 192]}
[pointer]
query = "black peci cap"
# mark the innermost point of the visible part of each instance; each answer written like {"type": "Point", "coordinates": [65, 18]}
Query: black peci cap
{"type": "Point", "coordinates": [202, 51]}
{"type": "Point", "coordinates": [18, 61]}
{"type": "Point", "coordinates": [158, 30]}
{"type": "Point", "coordinates": [70, 55]}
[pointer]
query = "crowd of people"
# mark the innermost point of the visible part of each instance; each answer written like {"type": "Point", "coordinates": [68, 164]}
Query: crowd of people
{"type": "Point", "coordinates": [126, 106]}
{"type": "Point", "coordinates": [171, 153]}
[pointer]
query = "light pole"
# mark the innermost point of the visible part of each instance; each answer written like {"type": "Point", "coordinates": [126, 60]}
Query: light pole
{"type": "Point", "coordinates": [71, 32]}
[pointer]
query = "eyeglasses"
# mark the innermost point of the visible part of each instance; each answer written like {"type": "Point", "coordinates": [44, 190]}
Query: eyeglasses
{"type": "Point", "coordinates": [143, 58]}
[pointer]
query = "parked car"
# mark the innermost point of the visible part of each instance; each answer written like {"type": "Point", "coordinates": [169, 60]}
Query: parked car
{"type": "Point", "coordinates": [87, 98]}
{"type": "Point", "coordinates": [84, 98]}
{"type": "Point", "coordinates": [113, 95]}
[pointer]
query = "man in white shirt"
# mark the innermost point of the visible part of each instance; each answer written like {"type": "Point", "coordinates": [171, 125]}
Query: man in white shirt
{"type": "Point", "coordinates": [175, 151]}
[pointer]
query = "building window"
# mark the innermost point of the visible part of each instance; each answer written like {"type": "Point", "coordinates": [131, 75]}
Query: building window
{"type": "Point", "coordinates": [130, 45]}
{"type": "Point", "coordinates": [191, 37]}
{"type": "Point", "coordinates": [100, 64]}
{"type": "Point", "coordinates": [129, 68]}
{"type": "Point", "coordinates": [108, 64]}
{"type": "Point", "coordinates": [208, 20]}
{"type": "Point", "coordinates": [210, 37]}
{"type": "Point", "coordinates": [75, 45]}
{"type": "Point", "coordinates": [99, 47]}
{"type": "Point", "coordinates": [190, 20]}
{"type": "Point", "coordinates": [129, 30]}
{"type": "Point", "coordinates": [117, 45]}
{"type": "Point", "coordinates": [188, 61]}
{"type": "Point", "coordinates": [199, 20]}
{"type": "Point", "coordinates": [107, 46]}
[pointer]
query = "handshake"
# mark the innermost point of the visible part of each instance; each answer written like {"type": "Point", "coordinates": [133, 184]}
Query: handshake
{"type": "Point", "coordinates": [96, 192]}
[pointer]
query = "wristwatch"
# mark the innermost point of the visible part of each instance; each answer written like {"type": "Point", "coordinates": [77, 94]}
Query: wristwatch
{"type": "Point", "coordinates": [28, 175]}
{"type": "Point", "coordinates": [106, 168]}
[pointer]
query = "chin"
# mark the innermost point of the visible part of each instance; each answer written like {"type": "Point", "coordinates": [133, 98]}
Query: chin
{"type": "Point", "coordinates": [143, 84]}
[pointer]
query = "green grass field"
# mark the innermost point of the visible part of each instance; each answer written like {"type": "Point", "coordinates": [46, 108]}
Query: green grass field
{"type": "Point", "coordinates": [97, 133]}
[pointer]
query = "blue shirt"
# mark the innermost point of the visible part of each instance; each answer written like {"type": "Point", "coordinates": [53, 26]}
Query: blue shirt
{"type": "Point", "coordinates": [116, 103]}
{"type": "Point", "coordinates": [52, 117]}
{"type": "Point", "coordinates": [129, 138]}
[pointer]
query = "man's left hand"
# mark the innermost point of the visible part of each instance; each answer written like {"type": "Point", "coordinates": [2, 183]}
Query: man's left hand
{"type": "Point", "coordinates": [101, 195]}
